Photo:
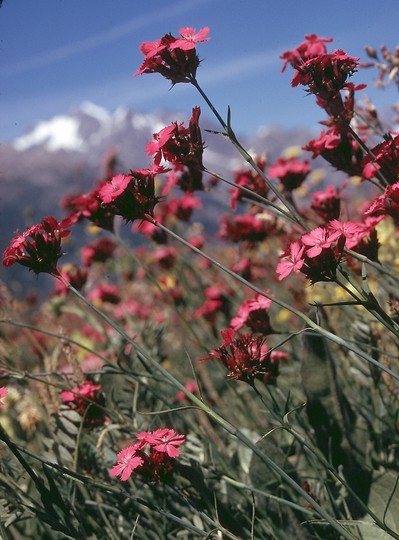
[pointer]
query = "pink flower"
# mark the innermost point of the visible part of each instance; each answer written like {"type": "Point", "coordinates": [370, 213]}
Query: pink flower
{"type": "Point", "coordinates": [174, 58]}
{"type": "Point", "coordinates": [183, 148]}
{"type": "Point", "coordinates": [311, 47]}
{"type": "Point", "coordinates": [327, 203]}
{"type": "Point", "coordinates": [191, 386]}
{"type": "Point", "coordinates": [291, 172]}
{"type": "Point", "coordinates": [152, 48]}
{"type": "Point", "coordinates": [133, 308]}
{"type": "Point", "coordinates": [366, 240]}
{"type": "Point", "coordinates": [84, 399]}
{"type": "Point", "coordinates": [326, 74]}
{"type": "Point", "coordinates": [328, 140]}
{"type": "Point", "coordinates": [317, 240]}
{"type": "Point", "coordinates": [217, 302]}
{"type": "Point", "coordinates": [166, 257]}
{"type": "Point", "coordinates": [294, 263]}
{"type": "Point", "coordinates": [190, 38]}
{"type": "Point", "coordinates": [89, 206]}
{"type": "Point", "coordinates": [244, 227]}
{"type": "Point", "coordinates": [386, 204]}
{"type": "Point", "coordinates": [349, 230]}
{"type": "Point", "coordinates": [152, 231]}
{"type": "Point", "coordinates": [338, 148]}
{"type": "Point", "coordinates": [160, 140]}
{"type": "Point", "coordinates": [183, 207]}
{"type": "Point", "coordinates": [98, 251]}
{"type": "Point", "coordinates": [154, 464]}
{"type": "Point", "coordinates": [158, 462]}
{"type": "Point", "coordinates": [253, 313]}
{"type": "Point", "coordinates": [251, 180]}
{"type": "Point", "coordinates": [88, 390]}
{"type": "Point", "coordinates": [128, 460]}
{"type": "Point", "coordinates": [104, 292]}
{"type": "Point", "coordinates": [73, 275]}
{"type": "Point", "coordinates": [165, 440]}
{"type": "Point", "coordinates": [115, 187]}
{"type": "Point", "coordinates": [131, 197]}
{"type": "Point", "coordinates": [3, 393]}
{"type": "Point", "coordinates": [385, 161]}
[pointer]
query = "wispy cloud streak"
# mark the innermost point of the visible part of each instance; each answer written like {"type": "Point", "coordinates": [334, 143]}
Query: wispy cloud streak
{"type": "Point", "coordinates": [233, 69]}
{"type": "Point", "coordinates": [236, 68]}
{"type": "Point", "coordinates": [101, 38]}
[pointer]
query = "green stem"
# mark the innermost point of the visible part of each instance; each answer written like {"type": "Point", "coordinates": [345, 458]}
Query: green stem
{"type": "Point", "coordinates": [81, 478]}
{"type": "Point", "coordinates": [233, 139]}
{"type": "Point", "coordinates": [307, 320]}
{"type": "Point", "coordinates": [280, 500]}
{"type": "Point", "coordinates": [57, 335]}
{"type": "Point", "coordinates": [253, 195]}
{"type": "Point", "coordinates": [333, 473]}
{"type": "Point", "coordinates": [366, 150]}
{"type": "Point", "coordinates": [371, 305]}
{"type": "Point", "coordinates": [227, 426]}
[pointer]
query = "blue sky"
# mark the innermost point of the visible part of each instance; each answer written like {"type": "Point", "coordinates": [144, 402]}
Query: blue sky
{"type": "Point", "coordinates": [54, 54]}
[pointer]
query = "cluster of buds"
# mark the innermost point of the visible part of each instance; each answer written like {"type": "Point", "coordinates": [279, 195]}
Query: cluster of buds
{"type": "Point", "coordinates": [291, 172]}
{"type": "Point", "coordinates": [246, 227]}
{"type": "Point", "coordinates": [388, 65]}
{"type": "Point", "coordinates": [89, 206]}
{"type": "Point", "coordinates": [251, 180]}
{"type": "Point", "coordinates": [386, 204]}
{"type": "Point", "coordinates": [383, 161]}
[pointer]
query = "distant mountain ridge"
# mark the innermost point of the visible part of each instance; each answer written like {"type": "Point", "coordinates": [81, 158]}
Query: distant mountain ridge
{"type": "Point", "coordinates": [64, 155]}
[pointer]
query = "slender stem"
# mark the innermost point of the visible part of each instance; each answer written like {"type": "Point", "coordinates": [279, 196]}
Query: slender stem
{"type": "Point", "coordinates": [150, 362]}
{"type": "Point", "coordinates": [57, 335]}
{"type": "Point", "coordinates": [370, 303]}
{"type": "Point", "coordinates": [377, 266]}
{"type": "Point", "coordinates": [367, 150]}
{"type": "Point", "coordinates": [233, 139]}
{"type": "Point", "coordinates": [81, 478]}
{"type": "Point", "coordinates": [342, 481]}
{"type": "Point", "coordinates": [241, 485]}
{"type": "Point", "coordinates": [308, 321]}
{"type": "Point", "coordinates": [253, 195]}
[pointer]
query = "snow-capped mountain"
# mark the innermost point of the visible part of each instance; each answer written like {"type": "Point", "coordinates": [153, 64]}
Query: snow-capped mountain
{"type": "Point", "coordinates": [64, 155]}
{"type": "Point", "coordinates": [87, 128]}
